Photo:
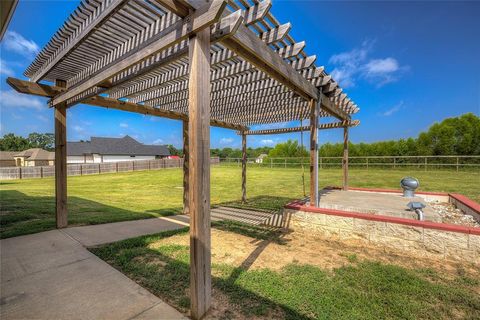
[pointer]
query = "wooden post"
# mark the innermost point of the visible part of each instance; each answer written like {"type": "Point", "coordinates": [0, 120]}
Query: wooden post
{"type": "Point", "coordinates": [244, 168]}
{"type": "Point", "coordinates": [313, 153]}
{"type": "Point", "coordinates": [61, 166]}
{"type": "Point", "coordinates": [199, 173]}
{"type": "Point", "coordinates": [345, 158]}
{"type": "Point", "coordinates": [185, 166]}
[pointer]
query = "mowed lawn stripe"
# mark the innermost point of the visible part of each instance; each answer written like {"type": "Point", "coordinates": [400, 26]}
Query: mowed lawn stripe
{"type": "Point", "coordinates": [27, 206]}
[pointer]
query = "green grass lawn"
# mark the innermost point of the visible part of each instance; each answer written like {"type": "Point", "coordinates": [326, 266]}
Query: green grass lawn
{"type": "Point", "coordinates": [27, 206]}
{"type": "Point", "coordinates": [358, 289]}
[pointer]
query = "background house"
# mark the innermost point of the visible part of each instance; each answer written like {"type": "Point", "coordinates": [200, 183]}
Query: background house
{"type": "Point", "coordinates": [100, 149]}
{"type": "Point", "coordinates": [261, 157]}
{"type": "Point", "coordinates": [34, 157]}
{"type": "Point", "coordinates": [6, 158]}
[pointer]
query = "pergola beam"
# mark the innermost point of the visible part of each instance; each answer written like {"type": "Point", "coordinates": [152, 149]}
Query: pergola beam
{"type": "Point", "coordinates": [114, 6]}
{"type": "Point", "coordinates": [345, 158]}
{"type": "Point", "coordinates": [322, 126]}
{"type": "Point", "coordinates": [200, 19]}
{"type": "Point", "coordinates": [7, 9]}
{"type": "Point", "coordinates": [199, 174]}
{"type": "Point", "coordinates": [244, 168]}
{"type": "Point", "coordinates": [247, 45]}
{"type": "Point", "coordinates": [314, 110]}
{"type": "Point", "coordinates": [43, 90]}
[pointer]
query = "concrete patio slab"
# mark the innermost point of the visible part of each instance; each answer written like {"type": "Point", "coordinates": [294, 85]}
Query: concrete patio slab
{"type": "Point", "coordinates": [51, 275]}
{"type": "Point", "coordinates": [98, 234]}
{"type": "Point", "coordinates": [29, 254]}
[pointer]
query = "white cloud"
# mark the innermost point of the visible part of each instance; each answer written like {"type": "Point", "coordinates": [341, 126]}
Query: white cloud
{"type": "Point", "coordinates": [267, 142]}
{"type": "Point", "coordinates": [380, 66]}
{"type": "Point", "coordinates": [13, 99]}
{"type": "Point", "coordinates": [347, 64]}
{"type": "Point", "coordinates": [226, 140]}
{"type": "Point", "coordinates": [78, 129]}
{"type": "Point", "coordinates": [393, 109]}
{"type": "Point", "coordinates": [158, 141]}
{"type": "Point", "coordinates": [123, 125]}
{"type": "Point", "coordinates": [42, 118]}
{"type": "Point", "coordinates": [356, 64]}
{"type": "Point", "coordinates": [383, 71]}
{"type": "Point", "coordinates": [5, 69]}
{"type": "Point", "coordinates": [16, 42]}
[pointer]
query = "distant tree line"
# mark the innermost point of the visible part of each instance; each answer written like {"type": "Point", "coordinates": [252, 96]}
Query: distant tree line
{"type": "Point", "coordinates": [453, 136]}
{"type": "Point", "coordinates": [12, 142]}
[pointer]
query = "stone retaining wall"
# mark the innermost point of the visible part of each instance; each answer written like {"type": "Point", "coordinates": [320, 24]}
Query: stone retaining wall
{"type": "Point", "coordinates": [419, 240]}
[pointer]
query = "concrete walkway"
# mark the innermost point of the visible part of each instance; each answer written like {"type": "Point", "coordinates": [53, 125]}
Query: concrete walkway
{"type": "Point", "coordinates": [51, 275]}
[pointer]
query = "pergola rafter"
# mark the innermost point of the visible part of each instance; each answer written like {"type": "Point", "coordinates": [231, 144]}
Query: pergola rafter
{"type": "Point", "coordinates": [226, 63]}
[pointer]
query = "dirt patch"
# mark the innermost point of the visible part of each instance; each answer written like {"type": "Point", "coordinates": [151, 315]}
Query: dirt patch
{"type": "Point", "coordinates": [250, 253]}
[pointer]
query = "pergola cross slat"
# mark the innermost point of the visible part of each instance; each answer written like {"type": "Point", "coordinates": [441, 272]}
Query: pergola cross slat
{"type": "Point", "coordinates": [226, 63]}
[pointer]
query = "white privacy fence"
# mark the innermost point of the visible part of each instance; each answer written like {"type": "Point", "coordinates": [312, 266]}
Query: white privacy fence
{"type": "Point", "coordinates": [395, 162]}
{"type": "Point", "coordinates": [74, 169]}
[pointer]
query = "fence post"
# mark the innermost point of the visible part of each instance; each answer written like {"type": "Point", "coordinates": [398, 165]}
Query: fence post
{"type": "Point", "coordinates": [116, 166]}
{"type": "Point", "coordinates": [285, 163]}
{"type": "Point", "coordinates": [20, 172]}
{"type": "Point", "coordinates": [81, 169]}
{"type": "Point", "coordinates": [320, 158]}
{"type": "Point", "coordinates": [99, 170]}
{"type": "Point", "coordinates": [271, 163]}
{"type": "Point", "coordinates": [133, 165]}
{"type": "Point", "coordinates": [41, 172]}
{"type": "Point", "coordinates": [367, 163]}
{"type": "Point", "coordinates": [425, 163]}
{"type": "Point", "coordinates": [394, 163]}
{"type": "Point", "coordinates": [457, 164]}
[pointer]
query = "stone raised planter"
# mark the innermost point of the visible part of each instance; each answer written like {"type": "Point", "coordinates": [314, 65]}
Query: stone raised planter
{"type": "Point", "coordinates": [421, 238]}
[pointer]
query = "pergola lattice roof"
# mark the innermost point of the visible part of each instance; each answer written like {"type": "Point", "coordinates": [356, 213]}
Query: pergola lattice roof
{"type": "Point", "coordinates": [86, 51]}
{"type": "Point", "coordinates": [226, 63]}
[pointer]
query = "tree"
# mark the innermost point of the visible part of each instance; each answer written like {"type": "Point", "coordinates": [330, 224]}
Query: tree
{"type": "Point", "coordinates": [11, 142]}
{"type": "Point", "coordinates": [174, 151]}
{"type": "Point", "coordinates": [41, 140]}
{"type": "Point", "coordinates": [288, 149]}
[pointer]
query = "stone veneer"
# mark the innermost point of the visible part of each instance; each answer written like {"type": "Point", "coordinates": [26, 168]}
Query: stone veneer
{"type": "Point", "coordinates": [423, 239]}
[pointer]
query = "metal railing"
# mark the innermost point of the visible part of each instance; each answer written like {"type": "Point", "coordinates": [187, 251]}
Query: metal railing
{"type": "Point", "coordinates": [393, 162]}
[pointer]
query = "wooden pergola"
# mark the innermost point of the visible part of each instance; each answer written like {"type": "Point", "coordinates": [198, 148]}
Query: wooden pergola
{"type": "Point", "coordinates": [225, 63]}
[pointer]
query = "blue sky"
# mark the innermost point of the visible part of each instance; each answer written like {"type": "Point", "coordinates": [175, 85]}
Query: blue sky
{"type": "Point", "coordinates": [406, 64]}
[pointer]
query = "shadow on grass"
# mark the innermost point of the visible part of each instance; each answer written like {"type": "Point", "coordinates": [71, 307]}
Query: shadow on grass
{"type": "Point", "coordinates": [360, 290]}
{"type": "Point", "coordinates": [22, 214]}
{"type": "Point", "coordinates": [167, 272]}
{"type": "Point", "coordinates": [262, 203]}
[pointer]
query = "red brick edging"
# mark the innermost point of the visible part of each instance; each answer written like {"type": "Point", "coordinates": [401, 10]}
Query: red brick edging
{"type": "Point", "coordinates": [300, 205]}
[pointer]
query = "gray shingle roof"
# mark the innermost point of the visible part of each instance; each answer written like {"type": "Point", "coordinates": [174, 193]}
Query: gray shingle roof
{"type": "Point", "coordinates": [115, 146]}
